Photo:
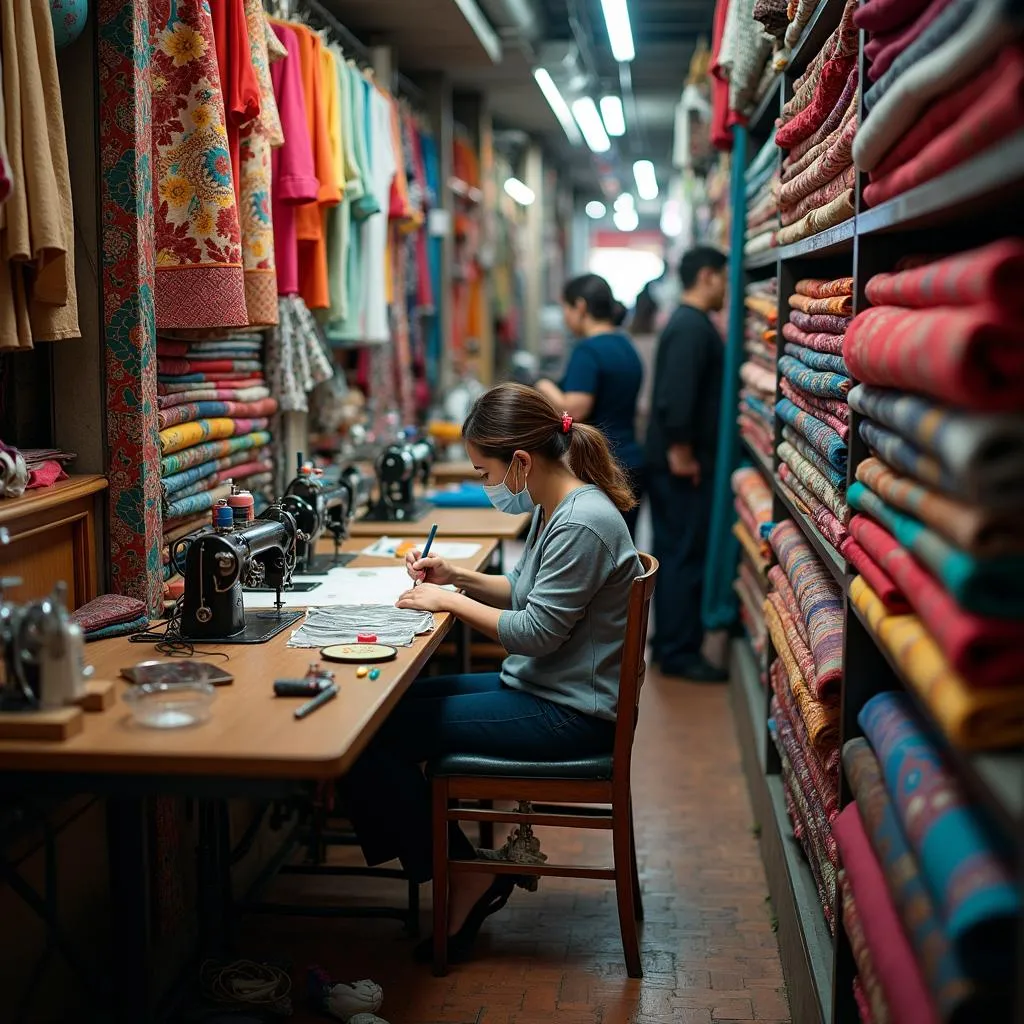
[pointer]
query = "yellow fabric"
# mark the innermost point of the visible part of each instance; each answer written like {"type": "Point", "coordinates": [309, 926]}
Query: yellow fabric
{"type": "Point", "coordinates": [332, 107]}
{"type": "Point", "coordinates": [973, 719]}
{"type": "Point", "coordinates": [184, 435]}
{"type": "Point", "coordinates": [742, 534]}
{"type": "Point", "coordinates": [765, 308]}
{"type": "Point", "coordinates": [37, 267]}
{"type": "Point", "coordinates": [821, 720]}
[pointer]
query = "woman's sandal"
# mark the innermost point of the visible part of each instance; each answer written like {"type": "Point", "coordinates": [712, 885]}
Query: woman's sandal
{"type": "Point", "coordinates": [460, 945]}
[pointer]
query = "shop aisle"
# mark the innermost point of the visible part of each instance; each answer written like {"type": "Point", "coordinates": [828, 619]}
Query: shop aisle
{"type": "Point", "coordinates": [709, 951]}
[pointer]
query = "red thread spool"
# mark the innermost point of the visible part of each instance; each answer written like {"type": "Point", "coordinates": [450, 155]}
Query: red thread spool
{"type": "Point", "coordinates": [243, 504]}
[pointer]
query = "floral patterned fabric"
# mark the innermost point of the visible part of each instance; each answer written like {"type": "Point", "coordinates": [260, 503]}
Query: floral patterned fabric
{"type": "Point", "coordinates": [199, 277]}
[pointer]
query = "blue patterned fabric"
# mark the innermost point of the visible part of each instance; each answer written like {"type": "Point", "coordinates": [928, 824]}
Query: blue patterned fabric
{"type": "Point", "coordinates": [809, 452]}
{"type": "Point", "coordinates": [828, 362]}
{"type": "Point", "coordinates": [822, 385]}
{"type": "Point", "coordinates": [964, 863]}
{"type": "Point", "coordinates": [820, 434]}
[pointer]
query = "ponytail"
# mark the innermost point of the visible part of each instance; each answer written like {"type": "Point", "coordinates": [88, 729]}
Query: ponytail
{"type": "Point", "coordinates": [513, 416]}
{"type": "Point", "coordinates": [592, 461]}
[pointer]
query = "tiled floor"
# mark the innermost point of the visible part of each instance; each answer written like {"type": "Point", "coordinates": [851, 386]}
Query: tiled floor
{"type": "Point", "coordinates": [709, 952]}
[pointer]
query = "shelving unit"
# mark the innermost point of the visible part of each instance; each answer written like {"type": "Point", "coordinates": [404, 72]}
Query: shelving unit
{"type": "Point", "coordinates": [978, 201]}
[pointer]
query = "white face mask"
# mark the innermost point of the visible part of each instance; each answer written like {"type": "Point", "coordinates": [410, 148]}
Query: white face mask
{"type": "Point", "coordinates": [505, 500]}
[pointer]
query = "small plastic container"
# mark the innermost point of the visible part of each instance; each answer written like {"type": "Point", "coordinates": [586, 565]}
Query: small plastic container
{"type": "Point", "coordinates": [170, 705]}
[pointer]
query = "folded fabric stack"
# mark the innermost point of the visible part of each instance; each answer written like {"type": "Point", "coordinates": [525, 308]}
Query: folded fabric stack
{"type": "Point", "coordinates": [753, 504]}
{"type": "Point", "coordinates": [798, 14]}
{"type": "Point", "coordinates": [804, 616]}
{"type": "Point", "coordinates": [742, 57]}
{"type": "Point", "coordinates": [762, 188]}
{"type": "Point", "coordinates": [939, 505]}
{"type": "Point", "coordinates": [945, 83]}
{"type": "Point", "coordinates": [817, 128]}
{"type": "Point", "coordinates": [777, 18]}
{"type": "Point", "coordinates": [110, 615]}
{"type": "Point", "coordinates": [929, 900]}
{"type": "Point", "coordinates": [757, 373]}
{"type": "Point", "coordinates": [815, 382]}
{"type": "Point", "coordinates": [214, 417]}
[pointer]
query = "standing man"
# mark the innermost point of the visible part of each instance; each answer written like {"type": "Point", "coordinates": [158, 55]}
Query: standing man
{"type": "Point", "coordinates": [682, 437]}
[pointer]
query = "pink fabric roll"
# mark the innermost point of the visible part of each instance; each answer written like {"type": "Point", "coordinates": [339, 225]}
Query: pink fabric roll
{"type": "Point", "coordinates": [897, 968]}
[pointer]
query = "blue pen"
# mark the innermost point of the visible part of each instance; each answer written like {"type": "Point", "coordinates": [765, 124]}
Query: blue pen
{"type": "Point", "coordinates": [426, 547]}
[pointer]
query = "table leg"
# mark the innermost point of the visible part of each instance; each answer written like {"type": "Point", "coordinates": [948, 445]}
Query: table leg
{"type": "Point", "coordinates": [213, 869]}
{"type": "Point", "coordinates": [127, 852]}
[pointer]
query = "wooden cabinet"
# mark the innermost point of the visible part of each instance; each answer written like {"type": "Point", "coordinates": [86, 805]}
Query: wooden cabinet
{"type": "Point", "coordinates": [53, 537]}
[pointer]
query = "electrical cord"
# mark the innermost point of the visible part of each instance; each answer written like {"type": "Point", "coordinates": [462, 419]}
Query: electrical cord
{"type": "Point", "coordinates": [247, 983]}
{"type": "Point", "coordinates": [169, 642]}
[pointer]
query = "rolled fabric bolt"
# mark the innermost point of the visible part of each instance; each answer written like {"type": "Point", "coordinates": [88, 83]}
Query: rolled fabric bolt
{"type": "Point", "coordinates": [375, 673]}
{"type": "Point", "coordinates": [362, 672]}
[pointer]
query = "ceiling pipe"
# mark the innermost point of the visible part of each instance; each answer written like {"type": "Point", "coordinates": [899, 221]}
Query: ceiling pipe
{"type": "Point", "coordinates": [518, 22]}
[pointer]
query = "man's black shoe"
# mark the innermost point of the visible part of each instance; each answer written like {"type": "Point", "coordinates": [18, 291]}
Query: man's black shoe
{"type": "Point", "coordinates": [698, 671]}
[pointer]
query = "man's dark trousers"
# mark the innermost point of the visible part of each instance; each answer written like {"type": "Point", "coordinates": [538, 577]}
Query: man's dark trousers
{"type": "Point", "coordinates": [681, 516]}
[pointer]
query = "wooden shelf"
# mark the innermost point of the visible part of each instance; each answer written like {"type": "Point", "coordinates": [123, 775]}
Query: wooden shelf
{"type": "Point", "coordinates": [829, 242]}
{"type": "Point", "coordinates": [763, 119]}
{"type": "Point", "coordinates": [995, 780]}
{"type": "Point", "coordinates": [823, 23]}
{"type": "Point", "coordinates": [45, 498]}
{"type": "Point", "coordinates": [762, 260]}
{"type": "Point", "coordinates": [750, 703]}
{"type": "Point", "coordinates": [968, 189]}
{"type": "Point", "coordinates": [833, 561]}
{"type": "Point", "coordinates": [759, 460]}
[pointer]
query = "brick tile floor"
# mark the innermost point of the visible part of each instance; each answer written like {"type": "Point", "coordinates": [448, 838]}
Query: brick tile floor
{"type": "Point", "coordinates": [709, 952]}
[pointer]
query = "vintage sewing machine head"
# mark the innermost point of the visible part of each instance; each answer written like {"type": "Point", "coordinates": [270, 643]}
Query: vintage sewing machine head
{"type": "Point", "coordinates": [400, 467]}
{"type": "Point", "coordinates": [318, 504]}
{"type": "Point", "coordinates": [221, 562]}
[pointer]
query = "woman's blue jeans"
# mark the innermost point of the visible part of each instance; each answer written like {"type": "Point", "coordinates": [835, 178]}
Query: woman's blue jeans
{"type": "Point", "coordinates": [386, 794]}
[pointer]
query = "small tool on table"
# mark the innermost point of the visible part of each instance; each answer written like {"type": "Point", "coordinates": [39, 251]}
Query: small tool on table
{"type": "Point", "coordinates": [328, 693]}
{"type": "Point", "coordinates": [426, 547]}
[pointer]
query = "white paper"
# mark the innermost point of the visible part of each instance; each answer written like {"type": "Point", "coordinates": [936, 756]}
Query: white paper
{"type": "Point", "coordinates": [385, 547]}
{"type": "Point", "coordinates": [341, 586]}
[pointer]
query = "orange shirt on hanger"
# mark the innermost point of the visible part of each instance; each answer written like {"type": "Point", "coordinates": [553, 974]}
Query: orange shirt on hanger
{"type": "Point", "coordinates": [309, 219]}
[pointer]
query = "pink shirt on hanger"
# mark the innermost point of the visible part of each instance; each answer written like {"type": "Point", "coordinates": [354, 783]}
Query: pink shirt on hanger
{"type": "Point", "coordinates": [294, 173]}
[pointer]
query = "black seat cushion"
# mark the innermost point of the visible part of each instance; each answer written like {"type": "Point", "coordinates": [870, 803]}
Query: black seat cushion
{"type": "Point", "coordinates": [595, 768]}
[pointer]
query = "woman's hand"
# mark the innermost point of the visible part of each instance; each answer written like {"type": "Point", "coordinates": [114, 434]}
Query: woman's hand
{"type": "Point", "coordinates": [427, 597]}
{"type": "Point", "coordinates": [428, 570]}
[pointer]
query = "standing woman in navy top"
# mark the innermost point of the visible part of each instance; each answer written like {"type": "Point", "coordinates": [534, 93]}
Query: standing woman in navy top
{"type": "Point", "coordinates": [602, 381]}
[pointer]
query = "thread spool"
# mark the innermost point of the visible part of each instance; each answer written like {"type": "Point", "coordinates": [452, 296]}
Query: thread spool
{"type": "Point", "coordinates": [223, 516]}
{"type": "Point", "coordinates": [243, 505]}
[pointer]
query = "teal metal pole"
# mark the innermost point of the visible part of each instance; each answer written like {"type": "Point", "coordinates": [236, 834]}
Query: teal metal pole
{"type": "Point", "coordinates": [718, 609]}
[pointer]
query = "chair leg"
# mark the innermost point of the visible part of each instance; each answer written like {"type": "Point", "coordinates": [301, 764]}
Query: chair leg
{"type": "Point", "coordinates": [486, 827]}
{"type": "Point", "coordinates": [440, 816]}
{"type": "Point", "coordinates": [638, 896]}
{"type": "Point", "coordinates": [622, 845]}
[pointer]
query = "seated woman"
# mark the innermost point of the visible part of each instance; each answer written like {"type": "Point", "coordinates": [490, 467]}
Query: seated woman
{"type": "Point", "coordinates": [601, 384]}
{"type": "Point", "coordinates": [561, 616]}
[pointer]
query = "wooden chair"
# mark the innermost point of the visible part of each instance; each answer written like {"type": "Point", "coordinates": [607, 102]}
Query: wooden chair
{"type": "Point", "coordinates": [551, 786]}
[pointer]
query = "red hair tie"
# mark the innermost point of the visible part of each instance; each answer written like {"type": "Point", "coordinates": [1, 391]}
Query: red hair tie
{"type": "Point", "coordinates": [566, 422]}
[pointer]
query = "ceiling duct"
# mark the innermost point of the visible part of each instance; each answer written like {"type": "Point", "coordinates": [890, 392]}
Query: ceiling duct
{"type": "Point", "coordinates": [519, 20]}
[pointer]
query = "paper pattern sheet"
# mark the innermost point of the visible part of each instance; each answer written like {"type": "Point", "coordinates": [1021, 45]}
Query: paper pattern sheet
{"type": "Point", "coordinates": [387, 547]}
{"type": "Point", "coordinates": [377, 586]}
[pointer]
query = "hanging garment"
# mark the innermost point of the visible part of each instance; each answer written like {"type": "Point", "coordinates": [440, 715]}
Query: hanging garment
{"type": "Point", "coordinates": [199, 276]}
{"type": "Point", "coordinates": [6, 175]}
{"type": "Point", "coordinates": [293, 170]}
{"type": "Point", "coordinates": [296, 357]}
{"type": "Point", "coordinates": [339, 219]}
{"type": "Point", "coordinates": [257, 138]}
{"type": "Point", "coordinates": [309, 217]}
{"type": "Point", "coordinates": [383, 167]}
{"type": "Point", "coordinates": [37, 269]}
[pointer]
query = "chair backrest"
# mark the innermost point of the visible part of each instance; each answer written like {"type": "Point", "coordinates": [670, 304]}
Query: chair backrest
{"type": "Point", "coordinates": [634, 666]}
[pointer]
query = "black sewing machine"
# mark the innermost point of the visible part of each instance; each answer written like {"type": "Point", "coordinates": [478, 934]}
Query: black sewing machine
{"type": "Point", "coordinates": [318, 505]}
{"type": "Point", "coordinates": [400, 467]}
{"type": "Point", "coordinates": [219, 563]}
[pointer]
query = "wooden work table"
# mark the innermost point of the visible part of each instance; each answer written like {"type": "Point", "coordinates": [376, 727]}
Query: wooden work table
{"type": "Point", "coordinates": [451, 522]}
{"type": "Point", "coordinates": [454, 472]}
{"type": "Point", "coordinates": [250, 733]}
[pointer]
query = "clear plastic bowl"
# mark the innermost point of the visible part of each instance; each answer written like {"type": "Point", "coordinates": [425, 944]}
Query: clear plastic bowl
{"type": "Point", "coordinates": [170, 705]}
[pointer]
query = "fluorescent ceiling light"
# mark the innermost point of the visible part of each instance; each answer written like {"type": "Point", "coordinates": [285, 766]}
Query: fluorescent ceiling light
{"type": "Point", "coordinates": [596, 209]}
{"type": "Point", "coordinates": [626, 220]}
{"type": "Point", "coordinates": [519, 191]}
{"type": "Point", "coordinates": [589, 120]}
{"type": "Point", "coordinates": [614, 119]}
{"type": "Point", "coordinates": [558, 105]}
{"type": "Point", "coordinates": [646, 179]}
{"type": "Point", "coordinates": [620, 35]}
{"type": "Point", "coordinates": [624, 202]}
